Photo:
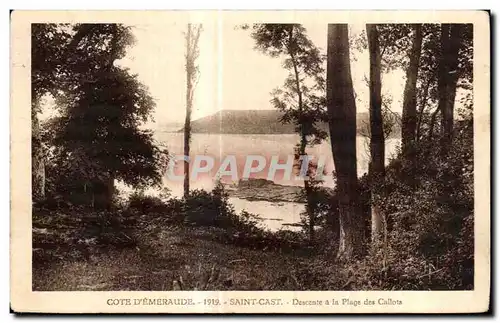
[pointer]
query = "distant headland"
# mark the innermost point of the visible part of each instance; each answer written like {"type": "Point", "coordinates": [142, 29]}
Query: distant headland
{"type": "Point", "coordinates": [260, 122]}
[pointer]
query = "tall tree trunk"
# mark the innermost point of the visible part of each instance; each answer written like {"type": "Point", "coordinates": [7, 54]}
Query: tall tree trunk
{"type": "Point", "coordinates": [309, 192]}
{"type": "Point", "coordinates": [420, 116]}
{"type": "Point", "coordinates": [431, 124]}
{"type": "Point", "coordinates": [341, 107]}
{"type": "Point", "coordinates": [409, 118]}
{"type": "Point", "coordinates": [187, 140]}
{"type": "Point", "coordinates": [447, 79]}
{"type": "Point", "coordinates": [377, 147]}
{"type": "Point", "coordinates": [189, 108]}
{"type": "Point", "coordinates": [37, 160]}
{"type": "Point", "coordinates": [192, 52]}
{"type": "Point", "coordinates": [303, 137]}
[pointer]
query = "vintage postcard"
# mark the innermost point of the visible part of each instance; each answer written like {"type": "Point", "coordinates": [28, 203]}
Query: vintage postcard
{"type": "Point", "coordinates": [250, 161]}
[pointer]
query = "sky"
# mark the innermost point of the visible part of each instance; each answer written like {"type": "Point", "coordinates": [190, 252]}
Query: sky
{"type": "Point", "coordinates": [233, 75]}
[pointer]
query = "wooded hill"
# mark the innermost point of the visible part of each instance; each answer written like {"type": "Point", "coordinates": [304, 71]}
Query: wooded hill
{"type": "Point", "coordinates": [262, 122]}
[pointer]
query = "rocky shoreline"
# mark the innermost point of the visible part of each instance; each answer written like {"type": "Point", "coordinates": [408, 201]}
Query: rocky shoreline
{"type": "Point", "coordinates": [257, 189]}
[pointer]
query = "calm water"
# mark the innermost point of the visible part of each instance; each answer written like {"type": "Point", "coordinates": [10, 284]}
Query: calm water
{"type": "Point", "coordinates": [274, 215]}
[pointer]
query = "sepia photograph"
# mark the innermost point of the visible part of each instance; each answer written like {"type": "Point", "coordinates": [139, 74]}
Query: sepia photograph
{"type": "Point", "coordinates": [213, 152]}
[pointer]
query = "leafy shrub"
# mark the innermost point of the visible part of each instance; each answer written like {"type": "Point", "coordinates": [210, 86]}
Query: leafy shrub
{"type": "Point", "coordinates": [213, 209]}
{"type": "Point", "coordinates": [204, 208]}
{"type": "Point", "coordinates": [145, 203]}
{"type": "Point", "coordinates": [257, 239]}
{"type": "Point", "coordinates": [430, 224]}
{"type": "Point", "coordinates": [327, 222]}
{"type": "Point", "coordinates": [430, 244]}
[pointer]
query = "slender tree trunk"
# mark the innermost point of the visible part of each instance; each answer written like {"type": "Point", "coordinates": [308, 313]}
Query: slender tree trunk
{"type": "Point", "coordinates": [303, 137]}
{"type": "Point", "coordinates": [443, 79]}
{"type": "Point", "coordinates": [192, 52]}
{"type": "Point", "coordinates": [425, 94]}
{"type": "Point", "coordinates": [447, 79]}
{"type": "Point", "coordinates": [187, 136]}
{"type": "Point", "coordinates": [341, 107]}
{"type": "Point", "coordinates": [189, 107]}
{"type": "Point", "coordinates": [377, 147]}
{"type": "Point", "coordinates": [37, 157]}
{"type": "Point", "coordinates": [432, 123]}
{"type": "Point", "coordinates": [409, 118]}
{"type": "Point", "coordinates": [309, 194]}
{"type": "Point", "coordinates": [430, 135]}
{"type": "Point", "coordinates": [308, 190]}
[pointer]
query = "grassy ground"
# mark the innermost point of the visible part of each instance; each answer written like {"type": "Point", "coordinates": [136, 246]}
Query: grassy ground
{"type": "Point", "coordinates": [158, 256]}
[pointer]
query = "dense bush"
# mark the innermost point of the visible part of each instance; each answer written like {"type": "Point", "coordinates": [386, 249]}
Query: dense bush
{"type": "Point", "coordinates": [327, 221]}
{"type": "Point", "coordinates": [213, 209]}
{"type": "Point", "coordinates": [430, 223]}
{"type": "Point", "coordinates": [144, 203]}
{"type": "Point", "coordinates": [430, 240]}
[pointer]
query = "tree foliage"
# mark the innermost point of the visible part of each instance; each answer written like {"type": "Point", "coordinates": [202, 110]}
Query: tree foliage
{"type": "Point", "coordinates": [97, 136]}
{"type": "Point", "coordinates": [301, 98]}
